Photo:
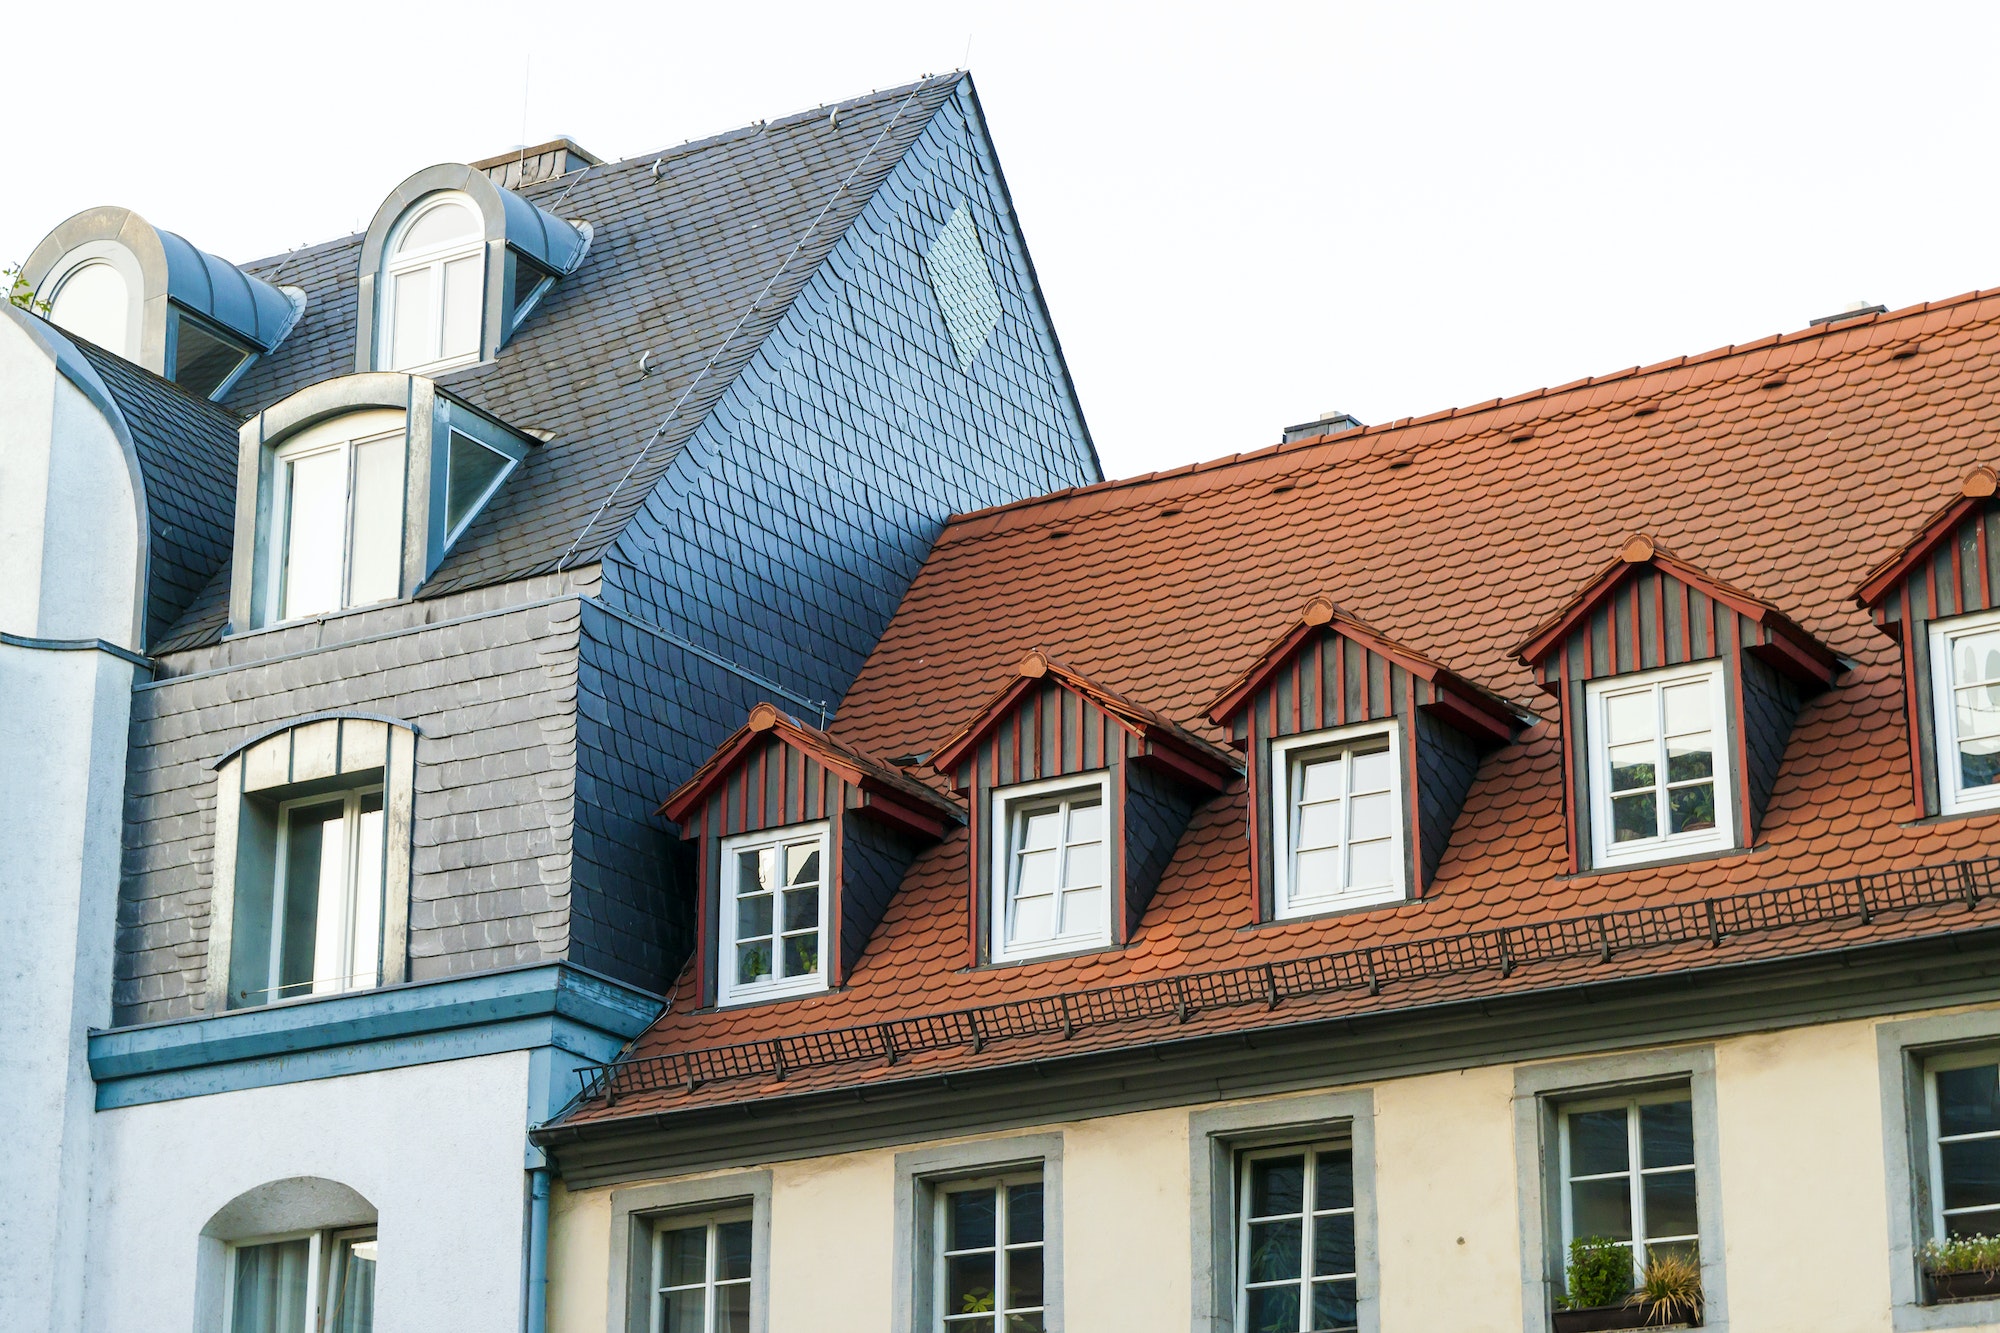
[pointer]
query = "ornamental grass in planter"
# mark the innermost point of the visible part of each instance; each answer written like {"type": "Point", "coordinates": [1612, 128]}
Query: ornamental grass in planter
{"type": "Point", "coordinates": [1962, 1268]}
{"type": "Point", "coordinates": [1600, 1294]}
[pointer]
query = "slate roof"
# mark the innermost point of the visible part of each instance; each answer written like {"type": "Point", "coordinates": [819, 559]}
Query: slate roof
{"type": "Point", "coordinates": [187, 455]}
{"type": "Point", "coordinates": [678, 260]}
{"type": "Point", "coordinates": [1789, 467]}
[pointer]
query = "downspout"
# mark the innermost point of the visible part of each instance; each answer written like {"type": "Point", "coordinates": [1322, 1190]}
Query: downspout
{"type": "Point", "coordinates": [538, 1250]}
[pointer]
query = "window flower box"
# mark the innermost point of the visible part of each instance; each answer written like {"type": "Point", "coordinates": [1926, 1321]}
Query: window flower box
{"type": "Point", "coordinates": [1592, 1318]}
{"type": "Point", "coordinates": [1973, 1286]}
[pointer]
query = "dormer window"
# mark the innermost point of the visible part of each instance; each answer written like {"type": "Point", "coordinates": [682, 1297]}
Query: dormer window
{"type": "Point", "coordinates": [1054, 867]}
{"type": "Point", "coordinates": [774, 921]}
{"type": "Point", "coordinates": [434, 285]}
{"type": "Point", "coordinates": [1340, 842]}
{"type": "Point", "coordinates": [1965, 659]}
{"type": "Point", "coordinates": [338, 515]}
{"type": "Point", "coordinates": [1659, 776]}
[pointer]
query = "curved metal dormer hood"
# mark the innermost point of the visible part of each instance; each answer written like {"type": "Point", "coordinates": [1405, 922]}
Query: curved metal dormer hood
{"type": "Point", "coordinates": [161, 277]}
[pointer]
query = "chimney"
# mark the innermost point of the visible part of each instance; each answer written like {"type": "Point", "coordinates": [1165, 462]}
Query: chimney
{"type": "Point", "coordinates": [526, 166]}
{"type": "Point", "coordinates": [1326, 423]}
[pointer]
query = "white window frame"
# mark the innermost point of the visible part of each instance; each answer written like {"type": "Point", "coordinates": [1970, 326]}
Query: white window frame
{"type": "Point", "coordinates": [942, 1194]}
{"type": "Point", "coordinates": [1933, 1143]}
{"type": "Point", "coordinates": [728, 989]}
{"type": "Point", "coordinates": [1638, 851]}
{"type": "Point", "coordinates": [711, 1222]}
{"type": "Point", "coordinates": [1635, 1169]}
{"type": "Point", "coordinates": [1953, 799]}
{"type": "Point", "coordinates": [319, 1260]}
{"type": "Point", "coordinates": [350, 828]}
{"type": "Point", "coordinates": [396, 264]}
{"type": "Point", "coordinates": [1286, 757]}
{"type": "Point", "coordinates": [1005, 801]}
{"type": "Point", "coordinates": [1309, 1216]}
{"type": "Point", "coordinates": [280, 524]}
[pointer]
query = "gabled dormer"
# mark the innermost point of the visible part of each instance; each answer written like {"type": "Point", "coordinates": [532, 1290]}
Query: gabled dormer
{"type": "Point", "coordinates": [1361, 751]}
{"type": "Point", "coordinates": [1078, 799]}
{"type": "Point", "coordinates": [351, 491]}
{"type": "Point", "coordinates": [1939, 596]}
{"type": "Point", "coordinates": [1678, 694]}
{"type": "Point", "coordinates": [802, 842]}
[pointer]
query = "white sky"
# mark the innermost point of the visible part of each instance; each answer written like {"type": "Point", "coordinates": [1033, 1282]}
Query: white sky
{"type": "Point", "coordinates": [1242, 214]}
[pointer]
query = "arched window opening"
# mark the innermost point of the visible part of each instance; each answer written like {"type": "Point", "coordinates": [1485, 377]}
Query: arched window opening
{"type": "Point", "coordinates": [434, 288]}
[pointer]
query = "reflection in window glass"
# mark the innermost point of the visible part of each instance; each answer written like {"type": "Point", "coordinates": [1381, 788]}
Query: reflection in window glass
{"type": "Point", "coordinates": [701, 1276]}
{"type": "Point", "coordinates": [1628, 1173]}
{"type": "Point", "coordinates": [989, 1257]}
{"type": "Point", "coordinates": [1295, 1246]}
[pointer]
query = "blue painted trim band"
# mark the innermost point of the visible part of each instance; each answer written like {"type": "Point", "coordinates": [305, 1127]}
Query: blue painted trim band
{"type": "Point", "coordinates": [548, 1005]}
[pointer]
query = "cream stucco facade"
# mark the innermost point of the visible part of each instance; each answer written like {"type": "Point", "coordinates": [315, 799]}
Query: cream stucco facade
{"type": "Point", "coordinates": [1796, 1137]}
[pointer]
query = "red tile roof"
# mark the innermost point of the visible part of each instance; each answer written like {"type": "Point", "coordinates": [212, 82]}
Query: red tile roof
{"type": "Point", "coordinates": [1795, 466]}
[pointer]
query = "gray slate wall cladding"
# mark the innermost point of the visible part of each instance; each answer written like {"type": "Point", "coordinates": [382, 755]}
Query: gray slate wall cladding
{"type": "Point", "coordinates": [494, 700]}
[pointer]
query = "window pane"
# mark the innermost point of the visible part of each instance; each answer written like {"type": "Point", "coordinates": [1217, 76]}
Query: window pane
{"type": "Point", "coordinates": [969, 1221]}
{"type": "Point", "coordinates": [802, 909]}
{"type": "Point", "coordinates": [1024, 1214]}
{"type": "Point", "coordinates": [1968, 1100]}
{"type": "Point", "coordinates": [1602, 1207]}
{"type": "Point", "coordinates": [413, 339]}
{"type": "Point", "coordinates": [377, 553]}
{"type": "Point", "coordinates": [463, 282]}
{"type": "Point", "coordinates": [1277, 1186]}
{"type": "Point", "coordinates": [270, 1294]}
{"type": "Point", "coordinates": [352, 1284]}
{"type": "Point", "coordinates": [1597, 1143]}
{"type": "Point", "coordinates": [1687, 707]}
{"type": "Point", "coordinates": [1024, 1278]}
{"type": "Point", "coordinates": [1691, 808]}
{"type": "Point", "coordinates": [1634, 817]}
{"type": "Point", "coordinates": [1371, 864]}
{"type": "Point", "coordinates": [1372, 771]}
{"type": "Point", "coordinates": [1319, 825]}
{"type": "Point", "coordinates": [471, 470]}
{"type": "Point", "coordinates": [732, 1255]}
{"type": "Point", "coordinates": [1274, 1309]}
{"type": "Point", "coordinates": [683, 1256]}
{"type": "Point", "coordinates": [1666, 1134]}
{"type": "Point", "coordinates": [1086, 821]}
{"type": "Point", "coordinates": [801, 955]}
{"type": "Point", "coordinates": [1628, 718]}
{"type": "Point", "coordinates": [1333, 1245]}
{"type": "Point", "coordinates": [1971, 1171]}
{"type": "Point", "coordinates": [315, 505]}
{"type": "Point", "coordinates": [1275, 1251]}
{"type": "Point", "coordinates": [1689, 759]}
{"type": "Point", "coordinates": [445, 223]}
{"type": "Point", "coordinates": [1333, 1306]}
{"type": "Point", "coordinates": [1632, 766]}
{"type": "Point", "coordinates": [968, 1283]}
{"type": "Point", "coordinates": [732, 1308]}
{"type": "Point", "coordinates": [1334, 1187]}
{"type": "Point", "coordinates": [753, 962]}
{"type": "Point", "coordinates": [1670, 1204]}
{"type": "Point", "coordinates": [684, 1311]}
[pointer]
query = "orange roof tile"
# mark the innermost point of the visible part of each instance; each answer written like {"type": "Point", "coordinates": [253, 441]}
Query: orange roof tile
{"type": "Point", "coordinates": [1795, 465]}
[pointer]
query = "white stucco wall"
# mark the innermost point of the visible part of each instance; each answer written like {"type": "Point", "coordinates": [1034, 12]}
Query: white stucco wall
{"type": "Point", "coordinates": [69, 551]}
{"type": "Point", "coordinates": [436, 1149]}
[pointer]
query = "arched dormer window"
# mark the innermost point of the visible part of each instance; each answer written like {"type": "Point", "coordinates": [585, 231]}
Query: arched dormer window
{"type": "Point", "coordinates": [450, 266]}
{"type": "Point", "coordinates": [434, 285]}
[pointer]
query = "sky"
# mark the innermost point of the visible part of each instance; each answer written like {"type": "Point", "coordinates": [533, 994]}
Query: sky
{"type": "Point", "coordinates": [1242, 215]}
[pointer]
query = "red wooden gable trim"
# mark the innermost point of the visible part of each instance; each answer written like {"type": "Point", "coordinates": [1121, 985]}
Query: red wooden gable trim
{"type": "Point", "coordinates": [1977, 488]}
{"type": "Point", "coordinates": [1792, 649]}
{"type": "Point", "coordinates": [1469, 707]}
{"type": "Point", "coordinates": [879, 788]}
{"type": "Point", "coordinates": [1161, 740]}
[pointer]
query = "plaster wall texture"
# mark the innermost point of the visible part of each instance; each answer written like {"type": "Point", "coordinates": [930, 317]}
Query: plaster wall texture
{"type": "Point", "coordinates": [436, 1149]}
{"type": "Point", "coordinates": [69, 547]}
{"type": "Point", "coordinates": [1799, 1137]}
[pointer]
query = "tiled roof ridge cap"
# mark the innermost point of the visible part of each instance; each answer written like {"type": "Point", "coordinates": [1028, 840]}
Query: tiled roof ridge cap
{"type": "Point", "coordinates": [1342, 441]}
{"type": "Point", "coordinates": [1709, 919]}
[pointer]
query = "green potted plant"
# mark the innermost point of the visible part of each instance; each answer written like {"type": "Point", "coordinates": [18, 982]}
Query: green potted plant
{"type": "Point", "coordinates": [1962, 1268]}
{"type": "Point", "coordinates": [1601, 1295]}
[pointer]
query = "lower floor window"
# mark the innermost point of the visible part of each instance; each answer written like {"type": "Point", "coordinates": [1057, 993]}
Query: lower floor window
{"type": "Point", "coordinates": [323, 1282]}
{"type": "Point", "coordinates": [1629, 1177]}
{"type": "Point", "coordinates": [701, 1275]}
{"type": "Point", "coordinates": [1295, 1240]}
{"type": "Point", "coordinates": [989, 1256]}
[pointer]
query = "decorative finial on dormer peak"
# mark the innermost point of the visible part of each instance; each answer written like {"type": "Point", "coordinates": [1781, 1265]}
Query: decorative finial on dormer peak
{"type": "Point", "coordinates": [1637, 550]}
{"type": "Point", "coordinates": [763, 717]}
{"type": "Point", "coordinates": [1034, 666]}
{"type": "Point", "coordinates": [1979, 483]}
